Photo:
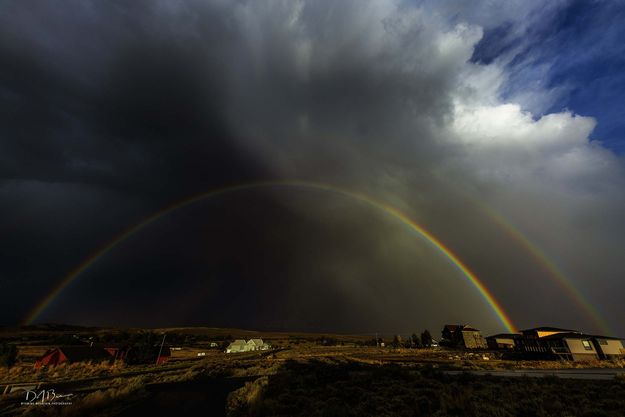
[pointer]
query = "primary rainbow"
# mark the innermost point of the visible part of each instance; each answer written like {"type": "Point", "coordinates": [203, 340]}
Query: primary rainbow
{"type": "Point", "coordinates": [421, 231]}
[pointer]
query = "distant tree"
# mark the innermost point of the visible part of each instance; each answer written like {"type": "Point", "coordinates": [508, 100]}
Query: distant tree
{"type": "Point", "coordinates": [67, 339]}
{"type": "Point", "coordinates": [373, 342]}
{"type": "Point", "coordinates": [328, 341]}
{"type": "Point", "coordinates": [8, 354]}
{"type": "Point", "coordinates": [416, 340]}
{"type": "Point", "coordinates": [445, 342]}
{"type": "Point", "coordinates": [396, 341]}
{"type": "Point", "coordinates": [144, 348]}
{"type": "Point", "coordinates": [122, 337]}
{"type": "Point", "coordinates": [426, 338]}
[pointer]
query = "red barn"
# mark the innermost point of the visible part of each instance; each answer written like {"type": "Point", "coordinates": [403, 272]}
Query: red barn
{"type": "Point", "coordinates": [117, 351]}
{"type": "Point", "coordinates": [73, 354]}
{"type": "Point", "coordinates": [147, 355]}
{"type": "Point", "coordinates": [164, 356]}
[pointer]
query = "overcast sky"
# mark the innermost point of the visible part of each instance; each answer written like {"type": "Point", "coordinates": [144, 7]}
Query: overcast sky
{"type": "Point", "coordinates": [454, 114]}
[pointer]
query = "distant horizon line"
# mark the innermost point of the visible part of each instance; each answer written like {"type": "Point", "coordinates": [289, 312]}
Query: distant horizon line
{"type": "Point", "coordinates": [237, 329]}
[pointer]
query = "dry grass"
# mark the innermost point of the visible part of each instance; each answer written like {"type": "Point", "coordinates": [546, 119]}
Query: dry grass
{"type": "Point", "coordinates": [255, 364]}
{"type": "Point", "coordinates": [188, 353]}
{"type": "Point", "coordinates": [316, 388]}
{"type": "Point", "coordinates": [61, 372]}
{"type": "Point", "coordinates": [30, 353]}
{"type": "Point", "coordinates": [246, 401]}
{"type": "Point", "coordinates": [97, 403]}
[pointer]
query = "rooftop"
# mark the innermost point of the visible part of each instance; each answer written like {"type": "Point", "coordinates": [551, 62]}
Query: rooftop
{"type": "Point", "coordinates": [568, 335]}
{"type": "Point", "coordinates": [549, 329]}
{"type": "Point", "coordinates": [80, 353]}
{"type": "Point", "coordinates": [507, 335]}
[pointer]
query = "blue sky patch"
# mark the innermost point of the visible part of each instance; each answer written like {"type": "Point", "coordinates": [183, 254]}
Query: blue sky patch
{"type": "Point", "coordinates": [577, 52]}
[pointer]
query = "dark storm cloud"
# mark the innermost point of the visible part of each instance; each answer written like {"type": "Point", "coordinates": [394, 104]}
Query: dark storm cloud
{"type": "Point", "coordinates": [103, 122]}
{"type": "Point", "coordinates": [129, 106]}
{"type": "Point", "coordinates": [148, 118]}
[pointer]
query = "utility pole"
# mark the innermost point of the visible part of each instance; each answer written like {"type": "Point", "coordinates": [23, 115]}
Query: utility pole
{"type": "Point", "coordinates": [377, 341]}
{"type": "Point", "coordinates": [161, 349]}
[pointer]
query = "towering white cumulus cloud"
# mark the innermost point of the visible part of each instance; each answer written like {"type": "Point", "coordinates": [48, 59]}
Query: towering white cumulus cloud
{"type": "Point", "coordinates": [393, 78]}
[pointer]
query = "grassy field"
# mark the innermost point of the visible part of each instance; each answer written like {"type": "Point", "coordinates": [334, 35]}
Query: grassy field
{"type": "Point", "coordinates": [303, 375]}
{"type": "Point", "coordinates": [319, 388]}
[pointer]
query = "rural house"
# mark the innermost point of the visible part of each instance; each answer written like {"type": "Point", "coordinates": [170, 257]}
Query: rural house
{"type": "Point", "coordinates": [571, 346]}
{"type": "Point", "coordinates": [539, 332]}
{"type": "Point", "coordinates": [73, 354]}
{"type": "Point", "coordinates": [147, 355]}
{"type": "Point", "coordinates": [463, 335]}
{"type": "Point", "coordinates": [556, 343]}
{"type": "Point", "coordinates": [449, 332]}
{"type": "Point", "coordinates": [163, 355]}
{"type": "Point", "coordinates": [533, 344]}
{"type": "Point", "coordinates": [241, 345]}
{"type": "Point", "coordinates": [257, 344]}
{"type": "Point", "coordinates": [238, 345]}
{"type": "Point", "coordinates": [117, 351]}
{"type": "Point", "coordinates": [503, 341]}
{"type": "Point", "coordinates": [609, 347]}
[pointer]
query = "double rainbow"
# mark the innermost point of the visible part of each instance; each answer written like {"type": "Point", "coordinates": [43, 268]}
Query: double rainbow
{"type": "Point", "coordinates": [363, 198]}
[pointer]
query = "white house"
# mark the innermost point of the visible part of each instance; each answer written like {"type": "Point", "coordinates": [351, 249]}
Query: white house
{"type": "Point", "coordinates": [238, 345]}
{"type": "Point", "coordinates": [241, 345]}
{"type": "Point", "coordinates": [257, 344]}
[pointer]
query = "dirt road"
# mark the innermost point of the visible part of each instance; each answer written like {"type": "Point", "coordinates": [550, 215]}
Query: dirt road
{"type": "Point", "coordinates": [597, 373]}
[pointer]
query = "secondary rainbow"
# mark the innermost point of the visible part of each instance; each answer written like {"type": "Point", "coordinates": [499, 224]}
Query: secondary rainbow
{"type": "Point", "coordinates": [539, 255]}
{"type": "Point", "coordinates": [552, 269]}
{"type": "Point", "coordinates": [390, 210]}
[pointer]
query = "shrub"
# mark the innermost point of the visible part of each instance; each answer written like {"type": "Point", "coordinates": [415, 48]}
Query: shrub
{"type": "Point", "coordinates": [8, 354]}
{"type": "Point", "coordinates": [246, 401]}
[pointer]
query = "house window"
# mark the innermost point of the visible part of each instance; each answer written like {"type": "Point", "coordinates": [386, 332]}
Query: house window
{"type": "Point", "coordinates": [587, 344]}
{"type": "Point", "coordinates": [603, 342]}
